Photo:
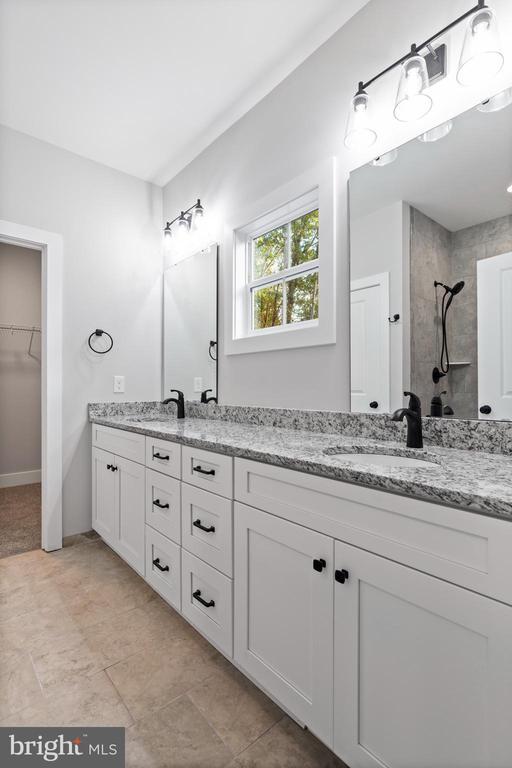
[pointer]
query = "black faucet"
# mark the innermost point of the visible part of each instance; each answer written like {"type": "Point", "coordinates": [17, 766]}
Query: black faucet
{"type": "Point", "coordinates": [413, 416]}
{"type": "Point", "coordinates": [180, 402]}
{"type": "Point", "coordinates": [205, 398]}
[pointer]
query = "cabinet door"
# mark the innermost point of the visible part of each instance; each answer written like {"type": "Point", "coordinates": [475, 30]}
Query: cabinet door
{"type": "Point", "coordinates": [104, 495]}
{"type": "Point", "coordinates": [130, 512]}
{"type": "Point", "coordinates": [422, 669]}
{"type": "Point", "coordinates": [284, 614]}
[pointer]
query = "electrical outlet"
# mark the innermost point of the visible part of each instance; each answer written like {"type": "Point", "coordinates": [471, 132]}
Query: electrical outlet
{"type": "Point", "coordinates": [118, 384]}
{"type": "Point", "coordinates": [198, 383]}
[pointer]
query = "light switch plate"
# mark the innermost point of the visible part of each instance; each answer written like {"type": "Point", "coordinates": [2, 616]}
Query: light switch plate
{"type": "Point", "coordinates": [198, 383]}
{"type": "Point", "coordinates": [118, 384]}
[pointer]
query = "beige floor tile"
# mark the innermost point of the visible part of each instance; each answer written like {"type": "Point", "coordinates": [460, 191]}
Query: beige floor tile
{"type": "Point", "coordinates": [61, 661]}
{"type": "Point", "coordinates": [122, 635]}
{"type": "Point", "coordinates": [30, 629]}
{"type": "Point", "coordinates": [19, 685]}
{"type": "Point", "coordinates": [152, 678]}
{"type": "Point", "coordinates": [165, 621]}
{"type": "Point", "coordinates": [287, 746]}
{"type": "Point", "coordinates": [175, 737]}
{"type": "Point", "coordinates": [85, 702]}
{"type": "Point", "coordinates": [237, 710]}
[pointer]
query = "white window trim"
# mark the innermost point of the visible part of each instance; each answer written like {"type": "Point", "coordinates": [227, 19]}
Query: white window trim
{"type": "Point", "coordinates": [314, 189]}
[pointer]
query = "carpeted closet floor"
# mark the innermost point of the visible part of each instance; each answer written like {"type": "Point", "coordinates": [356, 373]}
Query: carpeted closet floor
{"type": "Point", "coordinates": [20, 519]}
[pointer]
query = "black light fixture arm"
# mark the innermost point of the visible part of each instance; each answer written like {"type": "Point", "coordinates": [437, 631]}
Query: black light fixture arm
{"type": "Point", "coordinates": [184, 214]}
{"type": "Point", "coordinates": [416, 48]}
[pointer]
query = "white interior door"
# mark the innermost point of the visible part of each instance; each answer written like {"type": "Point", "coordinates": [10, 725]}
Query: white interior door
{"type": "Point", "coordinates": [283, 613]}
{"type": "Point", "coordinates": [494, 290]}
{"type": "Point", "coordinates": [369, 344]}
{"type": "Point", "coordinates": [423, 669]}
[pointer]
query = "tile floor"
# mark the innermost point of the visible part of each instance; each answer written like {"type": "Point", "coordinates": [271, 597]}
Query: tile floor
{"type": "Point", "coordinates": [20, 519]}
{"type": "Point", "coordinates": [85, 641]}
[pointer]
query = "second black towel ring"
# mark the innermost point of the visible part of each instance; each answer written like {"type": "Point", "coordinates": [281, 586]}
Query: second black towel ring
{"type": "Point", "coordinates": [99, 332]}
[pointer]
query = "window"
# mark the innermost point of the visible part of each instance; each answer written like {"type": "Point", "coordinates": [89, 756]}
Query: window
{"type": "Point", "coordinates": [283, 285]}
{"type": "Point", "coordinates": [284, 265]}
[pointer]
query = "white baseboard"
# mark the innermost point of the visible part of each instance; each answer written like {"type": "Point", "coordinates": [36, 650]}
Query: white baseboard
{"type": "Point", "coordinates": [20, 478]}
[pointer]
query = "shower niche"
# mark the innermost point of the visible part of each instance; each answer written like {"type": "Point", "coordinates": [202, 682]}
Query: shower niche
{"type": "Point", "coordinates": [431, 242]}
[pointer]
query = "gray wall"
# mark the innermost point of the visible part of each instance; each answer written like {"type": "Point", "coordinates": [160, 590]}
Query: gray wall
{"type": "Point", "coordinates": [110, 224]}
{"type": "Point", "coordinates": [430, 260]}
{"type": "Point", "coordinates": [296, 126]}
{"type": "Point", "coordinates": [20, 375]}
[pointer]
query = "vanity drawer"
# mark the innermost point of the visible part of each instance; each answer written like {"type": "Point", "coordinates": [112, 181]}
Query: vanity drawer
{"type": "Point", "coordinates": [207, 526]}
{"type": "Point", "coordinates": [129, 445]}
{"type": "Point", "coordinates": [208, 470]}
{"type": "Point", "coordinates": [163, 566]}
{"type": "Point", "coordinates": [163, 504]}
{"type": "Point", "coordinates": [214, 616]}
{"type": "Point", "coordinates": [453, 544]}
{"type": "Point", "coordinates": [164, 456]}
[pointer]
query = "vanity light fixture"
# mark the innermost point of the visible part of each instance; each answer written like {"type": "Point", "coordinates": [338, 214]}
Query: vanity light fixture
{"type": "Point", "coordinates": [495, 103]}
{"type": "Point", "coordinates": [422, 66]}
{"type": "Point", "coordinates": [434, 134]}
{"type": "Point", "coordinates": [385, 159]}
{"type": "Point", "coordinates": [185, 221]}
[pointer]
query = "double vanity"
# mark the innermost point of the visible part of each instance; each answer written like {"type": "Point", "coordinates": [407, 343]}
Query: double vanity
{"type": "Point", "coordinates": [350, 578]}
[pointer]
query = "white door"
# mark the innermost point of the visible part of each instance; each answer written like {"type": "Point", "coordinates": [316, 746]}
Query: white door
{"type": "Point", "coordinates": [284, 615]}
{"type": "Point", "coordinates": [369, 344]}
{"type": "Point", "coordinates": [104, 495]}
{"type": "Point", "coordinates": [130, 512]}
{"type": "Point", "coordinates": [494, 291]}
{"type": "Point", "coordinates": [423, 669]}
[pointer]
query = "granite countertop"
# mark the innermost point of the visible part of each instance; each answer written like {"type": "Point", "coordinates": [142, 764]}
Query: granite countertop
{"type": "Point", "coordinates": [474, 480]}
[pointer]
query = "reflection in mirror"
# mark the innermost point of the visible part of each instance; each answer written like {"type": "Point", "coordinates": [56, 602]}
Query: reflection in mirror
{"type": "Point", "coordinates": [190, 326]}
{"type": "Point", "coordinates": [431, 242]}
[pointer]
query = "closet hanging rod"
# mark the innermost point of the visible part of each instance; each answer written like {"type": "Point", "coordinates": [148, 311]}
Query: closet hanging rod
{"type": "Point", "coordinates": [14, 327]}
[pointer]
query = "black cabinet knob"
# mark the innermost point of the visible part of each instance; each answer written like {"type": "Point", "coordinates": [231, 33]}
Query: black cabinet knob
{"type": "Point", "coordinates": [485, 409]}
{"type": "Point", "coordinates": [319, 565]}
{"type": "Point", "coordinates": [341, 576]}
{"type": "Point", "coordinates": [374, 404]}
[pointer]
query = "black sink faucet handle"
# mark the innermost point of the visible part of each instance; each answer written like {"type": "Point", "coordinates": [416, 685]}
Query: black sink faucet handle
{"type": "Point", "coordinates": [414, 402]}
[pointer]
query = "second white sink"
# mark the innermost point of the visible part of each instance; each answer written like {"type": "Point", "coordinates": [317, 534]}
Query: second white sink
{"type": "Point", "coordinates": [385, 460]}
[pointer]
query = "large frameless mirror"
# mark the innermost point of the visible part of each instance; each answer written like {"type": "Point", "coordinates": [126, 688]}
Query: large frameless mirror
{"type": "Point", "coordinates": [190, 326]}
{"type": "Point", "coordinates": [431, 271]}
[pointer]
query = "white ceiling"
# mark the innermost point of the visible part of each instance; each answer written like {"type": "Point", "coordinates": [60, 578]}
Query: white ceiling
{"type": "Point", "coordinates": [145, 85]}
{"type": "Point", "coordinates": [458, 181]}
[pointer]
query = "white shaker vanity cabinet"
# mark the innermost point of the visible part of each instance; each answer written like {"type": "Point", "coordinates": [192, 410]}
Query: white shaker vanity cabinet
{"type": "Point", "coordinates": [382, 623]}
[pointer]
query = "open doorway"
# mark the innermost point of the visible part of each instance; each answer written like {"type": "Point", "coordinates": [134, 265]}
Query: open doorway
{"type": "Point", "coordinates": [20, 399]}
{"type": "Point", "coordinates": [48, 246]}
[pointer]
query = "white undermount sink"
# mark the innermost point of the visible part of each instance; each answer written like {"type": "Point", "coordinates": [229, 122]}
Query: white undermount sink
{"type": "Point", "coordinates": [385, 460]}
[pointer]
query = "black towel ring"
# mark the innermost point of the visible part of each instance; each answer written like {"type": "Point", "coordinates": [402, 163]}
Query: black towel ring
{"type": "Point", "coordinates": [99, 332]}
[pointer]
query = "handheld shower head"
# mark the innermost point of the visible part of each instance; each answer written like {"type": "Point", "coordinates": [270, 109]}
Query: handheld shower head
{"type": "Point", "coordinates": [457, 288]}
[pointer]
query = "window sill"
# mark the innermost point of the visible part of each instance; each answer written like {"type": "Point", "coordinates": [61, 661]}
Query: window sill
{"type": "Point", "coordinates": [311, 335]}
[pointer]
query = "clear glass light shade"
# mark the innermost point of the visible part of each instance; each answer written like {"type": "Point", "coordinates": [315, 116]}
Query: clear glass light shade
{"type": "Point", "coordinates": [198, 219]}
{"type": "Point", "coordinates": [481, 55]}
{"type": "Point", "coordinates": [359, 133]}
{"type": "Point", "coordinates": [385, 159]}
{"type": "Point", "coordinates": [495, 103]}
{"type": "Point", "coordinates": [439, 132]}
{"type": "Point", "coordinates": [509, 189]}
{"type": "Point", "coordinates": [412, 102]}
{"type": "Point", "coordinates": [167, 238]}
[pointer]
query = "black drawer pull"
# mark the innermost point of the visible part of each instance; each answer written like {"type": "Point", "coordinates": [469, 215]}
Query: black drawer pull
{"type": "Point", "coordinates": [197, 596]}
{"type": "Point", "coordinates": [341, 576]}
{"type": "Point", "coordinates": [109, 466]}
{"type": "Point", "coordinates": [209, 529]}
{"type": "Point", "coordinates": [319, 565]}
{"type": "Point", "coordinates": [203, 471]}
{"type": "Point", "coordinates": [163, 568]}
{"type": "Point", "coordinates": [114, 468]}
{"type": "Point", "coordinates": [158, 503]}
{"type": "Point", "coordinates": [160, 456]}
